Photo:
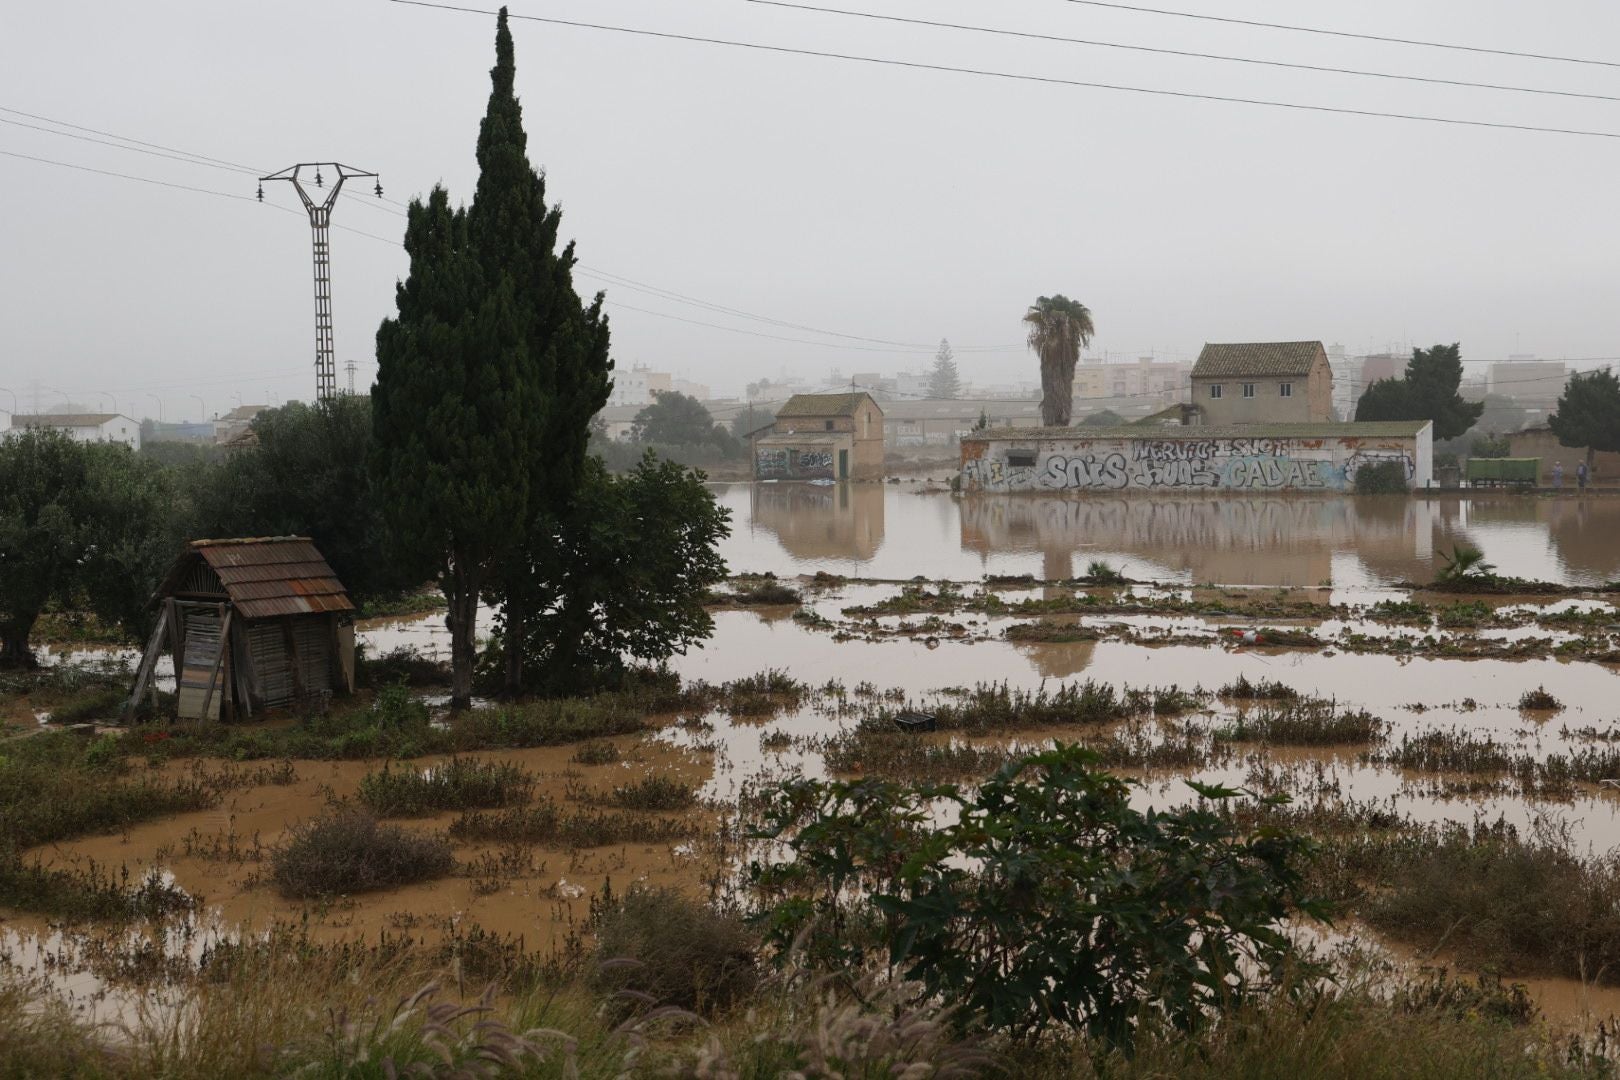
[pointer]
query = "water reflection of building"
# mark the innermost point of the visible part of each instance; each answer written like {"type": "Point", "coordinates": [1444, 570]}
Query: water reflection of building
{"type": "Point", "coordinates": [838, 521]}
{"type": "Point", "coordinates": [1058, 659]}
{"type": "Point", "coordinates": [1235, 541]}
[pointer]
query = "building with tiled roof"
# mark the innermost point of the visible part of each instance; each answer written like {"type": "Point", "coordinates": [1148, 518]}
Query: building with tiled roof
{"type": "Point", "coordinates": [821, 437]}
{"type": "Point", "coordinates": [1263, 382]}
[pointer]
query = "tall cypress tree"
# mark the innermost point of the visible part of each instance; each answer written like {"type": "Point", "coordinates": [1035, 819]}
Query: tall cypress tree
{"type": "Point", "coordinates": [451, 422]}
{"type": "Point", "coordinates": [563, 360]}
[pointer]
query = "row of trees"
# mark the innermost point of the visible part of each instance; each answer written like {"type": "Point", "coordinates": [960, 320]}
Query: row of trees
{"type": "Point", "coordinates": [1587, 416]}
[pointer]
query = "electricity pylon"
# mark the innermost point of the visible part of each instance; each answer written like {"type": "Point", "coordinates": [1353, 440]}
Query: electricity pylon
{"type": "Point", "coordinates": [320, 218]}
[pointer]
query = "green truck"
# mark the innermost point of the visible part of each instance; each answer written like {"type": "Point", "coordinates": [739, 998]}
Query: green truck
{"type": "Point", "coordinates": [1503, 472]}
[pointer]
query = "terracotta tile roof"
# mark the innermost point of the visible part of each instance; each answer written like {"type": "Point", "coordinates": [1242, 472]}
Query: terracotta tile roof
{"type": "Point", "coordinates": [800, 405]}
{"type": "Point", "coordinates": [1262, 358]}
{"type": "Point", "coordinates": [267, 576]}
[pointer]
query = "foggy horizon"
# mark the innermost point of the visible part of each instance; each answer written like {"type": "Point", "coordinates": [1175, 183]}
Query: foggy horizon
{"type": "Point", "coordinates": [869, 201]}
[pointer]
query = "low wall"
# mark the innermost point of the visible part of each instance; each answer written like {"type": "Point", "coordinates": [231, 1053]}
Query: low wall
{"type": "Point", "coordinates": [1120, 462]}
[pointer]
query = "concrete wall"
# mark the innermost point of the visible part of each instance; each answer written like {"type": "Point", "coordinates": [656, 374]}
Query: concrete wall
{"type": "Point", "coordinates": [781, 458]}
{"type": "Point", "coordinates": [1117, 463]}
{"type": "Point", "coordinates": [1542, 443]}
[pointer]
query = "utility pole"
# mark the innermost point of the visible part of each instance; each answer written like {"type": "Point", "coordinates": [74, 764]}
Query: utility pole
{"type": "Point", "coordinates": [320, 219]}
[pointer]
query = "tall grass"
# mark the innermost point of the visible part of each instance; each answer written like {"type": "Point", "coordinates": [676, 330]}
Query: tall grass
{"type": "Point", "coordinates": [458, 784]}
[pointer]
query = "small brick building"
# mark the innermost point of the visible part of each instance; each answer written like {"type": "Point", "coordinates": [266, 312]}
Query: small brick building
{"type": "Point", "coordinates": [821, 437]}
{"type": "Point", "coordinates": [1266, 382]}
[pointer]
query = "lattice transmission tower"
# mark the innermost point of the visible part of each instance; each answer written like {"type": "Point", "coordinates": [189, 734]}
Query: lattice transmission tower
{"type": "Point", "coordinates": [320, 220]}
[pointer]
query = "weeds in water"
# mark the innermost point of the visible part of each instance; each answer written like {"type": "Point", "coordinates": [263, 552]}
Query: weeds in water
{"type": "Point", "coordinates": [654, 793]}
{"type": "Point", "coordinates": [1101, 572]}
{"type": "Point", "coordinates": [1307, 722]}
{"type": "Point", "coordinates": [1466, 564]}
{"type": "Point", "coordinates": [349, 851]}
{"type": "Point", "coordinates": [90, 892]}
{"type": "Point", "coordinates": [1470, 613]}
{"type": "Point", "coordinates": [458, 784]}
{"type": "Point", "coordinates": [1538, 700]}
{"type": "Point", "coordinates": [1265, 690]}
{"type": "Point", "coordinates": [888, 753]}
{"type": "Point", "coordinates": [1410, 612]}
{"type": "Point", "coordinates": [597, 752]}
{"type": "Point", "coordinates": [545, 823]}
{"type": "Point", "coordinates": [766, 593]}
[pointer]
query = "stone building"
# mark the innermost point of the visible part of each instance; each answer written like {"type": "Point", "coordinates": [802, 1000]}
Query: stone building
{"type": "Point", "coordinates": [821, 437]}
{"type": "Point", "coordinates": [1269, 382]}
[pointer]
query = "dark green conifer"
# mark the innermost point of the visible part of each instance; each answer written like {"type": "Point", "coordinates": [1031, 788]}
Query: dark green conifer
{"type": "Point", "coordinates": [561, 344]}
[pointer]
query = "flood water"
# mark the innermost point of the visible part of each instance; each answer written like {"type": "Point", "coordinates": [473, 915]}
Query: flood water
{"type": "Point", "coordinates": [901, 530]}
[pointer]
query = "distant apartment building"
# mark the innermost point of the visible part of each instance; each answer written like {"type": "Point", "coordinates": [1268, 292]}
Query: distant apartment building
{"type": "Point", "coordinates": [638, 385]}
{"type": "Point", "coordinates": [1535, 384]}
{"type": "Point", "coordinates": [83, 427]}
{"type": "Point", "coordinates": [1267, 382]}
{"type": "Point", "coordinates": [1146, 381]}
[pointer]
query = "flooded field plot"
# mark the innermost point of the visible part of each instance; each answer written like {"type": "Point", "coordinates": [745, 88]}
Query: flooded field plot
{"type": "Point", "coordinates": [1275, 646]}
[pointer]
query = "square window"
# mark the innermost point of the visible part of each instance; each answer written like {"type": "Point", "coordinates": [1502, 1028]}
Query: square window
{"type": "Point", "coordinates": [1285, 389]}
{"type": "Point", "coordinates": [829, 425]}
{"type": "Point", "coordinates": [1215, 390]}
{"type": "Point", "coordinates": [1248, 389]}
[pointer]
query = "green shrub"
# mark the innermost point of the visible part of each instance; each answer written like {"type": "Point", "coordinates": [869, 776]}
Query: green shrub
{"type": "Point", "coordinates": [1041, 898]}
{"type": "Point", "coordinates": [1382, 478]}
{"type": "Point", "coordinates": [1100, 572]}
{"type": "Point", "coordinates": [659, 946]}
{"type": "Point", "coordinates": [91, 892]}
{"type": "Point", "coordinates": [350, 852]}
{"type": "Point", "coordinates": [1464, 564]}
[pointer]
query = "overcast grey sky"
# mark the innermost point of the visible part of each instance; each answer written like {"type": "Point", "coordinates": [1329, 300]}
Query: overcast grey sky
{"type": "Point", "coordinates": [874, 201]}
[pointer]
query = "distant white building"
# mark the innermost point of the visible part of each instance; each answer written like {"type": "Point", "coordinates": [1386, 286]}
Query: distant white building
{"type": "Point", "coordinates": [84, 427]}
{"type": "Point", "coordinates": [235, 424]}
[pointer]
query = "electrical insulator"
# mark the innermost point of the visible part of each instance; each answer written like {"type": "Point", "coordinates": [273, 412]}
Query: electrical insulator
{"type": "Point", "coordinates": [261, 192]}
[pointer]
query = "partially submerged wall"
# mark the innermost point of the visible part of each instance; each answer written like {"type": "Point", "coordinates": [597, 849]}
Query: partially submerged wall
{"type": "Point", "coordinates": [1317, 458]}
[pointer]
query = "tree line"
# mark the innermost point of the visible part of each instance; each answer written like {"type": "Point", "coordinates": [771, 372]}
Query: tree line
{"type": "Point", "coordinates": [468, 466]}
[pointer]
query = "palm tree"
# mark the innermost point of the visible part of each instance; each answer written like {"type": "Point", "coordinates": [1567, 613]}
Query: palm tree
{"type": "Point", "coordinates": [1058, 329]}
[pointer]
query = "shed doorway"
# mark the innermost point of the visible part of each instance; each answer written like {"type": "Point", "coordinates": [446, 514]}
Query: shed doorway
{"type": "Point", "coordinates": [843, 464]}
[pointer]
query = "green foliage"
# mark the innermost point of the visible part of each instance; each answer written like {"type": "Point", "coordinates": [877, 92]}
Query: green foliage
{"type": "Point", "coordinates": [348, 852]}
{"type": "Point", "coordinates": [1588, 412]}
{"type": "Point", "coordinates": [1487, 447]}
{"type": "Point", "coordinates": [90, 892]}
{"type": "Point", "coordinates": [624, 576]}
{"type": "Point", "coordinates": [944, 381]}
{"type": "Point", "coordinates": [1428, 391]}
{"type": "Point", "coordinates": [676, 419]}
{"type": "Point", "coordinates": [1382, 478]}
{"type": "Point", "coordinates": [1058, 329]}
{"type": "Point", "coordinates": [1042, 898]}
{"type": "Point", "coordinates": [85, 525]}
{"type": "Point", "coordinates": [1102, 572]}
{"type": "Point", "coordinates": [1464, 564]}
{"type": "Point", "coordinates": [654, 793]}
{"type": "Point", "coordinates": [660, 947]}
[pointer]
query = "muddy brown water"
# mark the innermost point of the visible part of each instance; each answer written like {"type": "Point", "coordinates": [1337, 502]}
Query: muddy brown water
{"type": "Point", "coordinates": [900, 530]}
{"type": "Point", "coordinates": [1345, 550]}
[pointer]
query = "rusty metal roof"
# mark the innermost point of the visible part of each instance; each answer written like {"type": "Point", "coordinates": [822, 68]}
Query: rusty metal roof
{"type": "Point", "coordinates": [267, 576]}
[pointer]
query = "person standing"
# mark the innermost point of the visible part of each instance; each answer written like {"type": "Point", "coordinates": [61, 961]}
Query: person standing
{"type": "Point", "coordinates": [1558, 474]}
{"type": "Point", "coordinates": [1580, 476]}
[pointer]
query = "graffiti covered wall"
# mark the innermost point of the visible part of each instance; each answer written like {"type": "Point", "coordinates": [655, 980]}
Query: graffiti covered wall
{"type": "Point", "coordinates": [794, 463]}
{"type": "Point", "coordinates": [1321, 463]}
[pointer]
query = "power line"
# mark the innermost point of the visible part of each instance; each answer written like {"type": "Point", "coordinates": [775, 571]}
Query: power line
{"type": "Point", "coordinates": [772, 337]}
{"type": "Point", "coordinates": [1347, 34]}
{"type": "Point", "coordinates": [1009, 76]}
{"type": "Point", "coordinates": [128, 176]}
{"type": "Point", "coordinates": [201, 158]}
{"type": "Point", "coordinates": [1182, 52]}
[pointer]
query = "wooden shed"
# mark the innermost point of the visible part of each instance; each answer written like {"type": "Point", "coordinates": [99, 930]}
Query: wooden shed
{"type": "Point", "coordinates": [252, 624]}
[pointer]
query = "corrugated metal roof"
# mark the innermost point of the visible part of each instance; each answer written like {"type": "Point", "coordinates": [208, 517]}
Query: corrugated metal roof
{"type": "Point", "coordinates": [1380, 429]}
{"type": "Point", "coordinates": [269, 576]}
{"type": "Point", "coordinates": [800, 405]}
{"type": "Point", "coordinates": [1262, 358]}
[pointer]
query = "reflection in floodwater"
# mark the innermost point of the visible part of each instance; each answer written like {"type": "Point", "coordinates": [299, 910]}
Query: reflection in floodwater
{"type": "Point", "coordinates": [840, 521]}
{"type": "Point", "coordinates": [888, 531]}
